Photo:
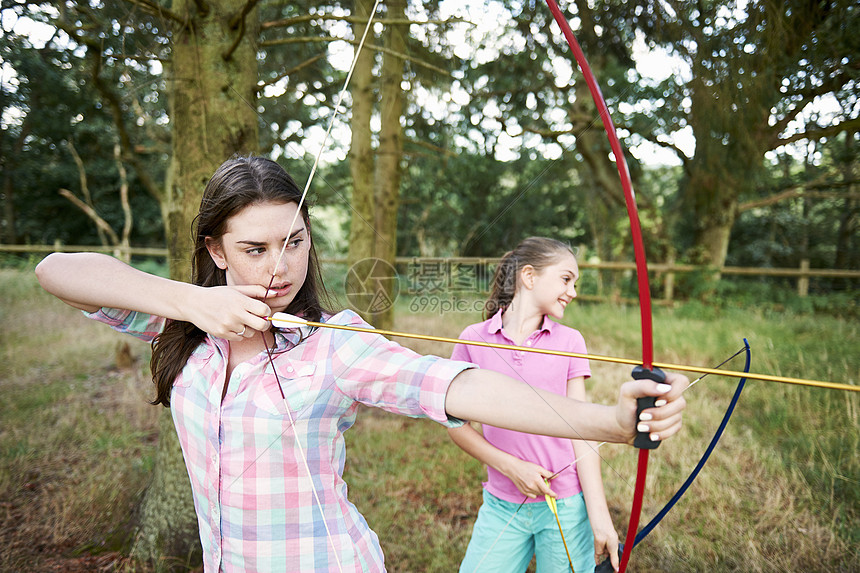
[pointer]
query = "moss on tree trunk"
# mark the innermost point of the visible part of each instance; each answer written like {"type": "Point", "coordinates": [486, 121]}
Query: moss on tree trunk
{"type": "Point", "coordinates": [212, 90]}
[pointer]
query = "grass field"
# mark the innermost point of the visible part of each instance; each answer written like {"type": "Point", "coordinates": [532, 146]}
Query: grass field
{"type": "Point", "coordinates": [781, 492]}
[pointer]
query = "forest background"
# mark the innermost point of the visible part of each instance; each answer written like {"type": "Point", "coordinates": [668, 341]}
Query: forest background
{"type": "Point", "coordinates": [468, 128]}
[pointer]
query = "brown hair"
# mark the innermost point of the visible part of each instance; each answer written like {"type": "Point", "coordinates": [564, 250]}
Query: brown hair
{"type": "Point", "coordinates": [238, 183]}
{"type": "Point", "coordinates": [537, 252]}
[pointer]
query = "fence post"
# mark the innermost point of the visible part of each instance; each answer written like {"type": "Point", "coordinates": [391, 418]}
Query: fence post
{"type": "Point", "coordinates": [669, 279]}
{"type": "Point", "coordinates": [803, 280]}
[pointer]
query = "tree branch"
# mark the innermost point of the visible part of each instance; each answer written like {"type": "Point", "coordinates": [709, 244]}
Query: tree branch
{"type": "Point", "coordinates": [156, 9]}
{"type": "Point", "coordinates": [382, 49]}
{"type": "Point", "coordinates": [351, 19]}
{"type": "Point", "coordinates": [238, 21]}
{"type": "Point", "coordinates": [85, 187]}
{"type": "Point", "coordinates": [202, 7]}
{"type": "Point", "coordinates": [808, 96]}
{"type": "Point", "coordinates": [243, 13]}
{"type": "Point", "coordinates": [123, 199]}
{"type": "Point", "coordinates": [848, 125]}
{"type": "Point", "coordinates": [289, 72]}
{"type": "Point", "coordinates": [685, 161]}
{"type": "Point", "coordinates": [803, 190]}
{"type": "Point", "coordinates": [94, 51]}
{"type": "Point", "coordinates": [91, 213]}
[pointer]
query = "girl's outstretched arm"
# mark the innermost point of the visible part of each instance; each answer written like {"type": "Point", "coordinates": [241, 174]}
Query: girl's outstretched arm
{"type": "Point", "coordinates": [492, 398]}
{"type": "Point", "coordinates": [89, 281]}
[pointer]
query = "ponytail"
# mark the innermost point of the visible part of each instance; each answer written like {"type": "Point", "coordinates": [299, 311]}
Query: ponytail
{"type": "Point", "coordinates": [504, 286]}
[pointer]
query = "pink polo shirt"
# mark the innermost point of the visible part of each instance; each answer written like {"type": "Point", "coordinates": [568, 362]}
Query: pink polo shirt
{"type": "Point", "coordinates": [540, 371]}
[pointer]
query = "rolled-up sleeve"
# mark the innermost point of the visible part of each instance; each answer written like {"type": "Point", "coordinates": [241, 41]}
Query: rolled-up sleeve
{"type": "Point", "coordinates": [378, 372]}
{"type": "Point", "coordinates": [140, 325]}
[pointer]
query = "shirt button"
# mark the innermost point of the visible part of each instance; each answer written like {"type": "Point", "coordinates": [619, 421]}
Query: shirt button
{"type": "Point", "coordinates": [528, 342]}
{"type": "Point", "coordinates": [289, 368]}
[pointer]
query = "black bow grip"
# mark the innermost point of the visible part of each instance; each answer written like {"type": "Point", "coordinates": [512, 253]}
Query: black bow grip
{"type": "Point", "coordinates": [643, 441]}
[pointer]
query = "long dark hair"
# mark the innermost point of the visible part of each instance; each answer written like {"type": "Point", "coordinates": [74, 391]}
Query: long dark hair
{"type": "Point", "coordinates": [537, 252]}
{"type": "Point", "coordinates": [238, 183]}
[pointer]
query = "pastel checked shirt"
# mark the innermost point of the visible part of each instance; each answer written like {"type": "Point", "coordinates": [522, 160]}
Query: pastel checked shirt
{"type": "Point", "coordinates": [254, 499]}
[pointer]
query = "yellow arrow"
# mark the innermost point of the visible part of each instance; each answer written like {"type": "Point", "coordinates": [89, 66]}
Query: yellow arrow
{"type": "Point", "coordinates": [285, 320]}
{"type": "Point", "coordinates": [553, 507]}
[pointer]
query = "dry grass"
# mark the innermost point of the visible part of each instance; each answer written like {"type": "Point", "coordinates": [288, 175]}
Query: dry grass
{"type": "Point", "coordinates": [76, 437]}
{"type": "Point", "coordinates": [779, 494]}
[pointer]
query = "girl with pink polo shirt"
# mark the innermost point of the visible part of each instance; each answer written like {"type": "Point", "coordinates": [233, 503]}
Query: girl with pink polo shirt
{"type": "Point", "coordinates": [533, 284]}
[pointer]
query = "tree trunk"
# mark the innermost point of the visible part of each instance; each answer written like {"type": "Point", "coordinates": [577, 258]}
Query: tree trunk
{"type": "Point", "coordinates": [715, 201]}
{"type": "Point", "coordinates": [846, 238]}
{"type": "Point", "coordinates": [167, 523]}
{"type": "Point", "coordinates": [212, 78]}
{"type": "Point", "coordinates": [10, 235]}
{"type": "Point", "coordinates": [212, 112]}
{"type": "Point", "coordinates": [716, 176]}
{"type": "Point", "coordinates": [8, 224]}
{"type": "Point", "coordinates": [388, 164]}
{"type": "Point", "coordinates": [361, 232]}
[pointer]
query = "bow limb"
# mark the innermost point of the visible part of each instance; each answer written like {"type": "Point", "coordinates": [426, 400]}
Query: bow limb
{"type": "Point", "coordinates": [605, 566]}
{"type": "Point", "coordinates": [719, 433]}
{"type": "Point", "coordinates": [639, 251]}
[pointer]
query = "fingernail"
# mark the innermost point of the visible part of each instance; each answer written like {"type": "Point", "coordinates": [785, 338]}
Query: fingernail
{"type": "Point", "coordinates": [645, 416]}
{"type": "Point", "coordinates": [663, 387]}
{"type": "Point", "coordinates": [642, 428]}
{"type": "Point", "coordinates": [654, 437]}
{"type": "Point", "coordinates": [660, 402]}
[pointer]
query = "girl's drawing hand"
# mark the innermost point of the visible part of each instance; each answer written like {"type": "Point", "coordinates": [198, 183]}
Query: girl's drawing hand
{"type": "Point", "coordinates": [660, 422]}
{"type": "Point", "coordinates": [230, 312]}
{"type": "Point", "coordinates": [529, 478]}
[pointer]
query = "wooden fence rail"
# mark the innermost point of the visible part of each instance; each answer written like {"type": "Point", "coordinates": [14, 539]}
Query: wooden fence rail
{"type": "Point", "coordinates": [666, 271]}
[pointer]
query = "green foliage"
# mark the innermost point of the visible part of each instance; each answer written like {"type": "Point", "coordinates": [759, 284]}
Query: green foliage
{"type": "Point", "coordinates": [763, 296]}
{"type": "Point", "coordinates": [57, 106]}
{"type": "Point", "coordinates": [505, 203]}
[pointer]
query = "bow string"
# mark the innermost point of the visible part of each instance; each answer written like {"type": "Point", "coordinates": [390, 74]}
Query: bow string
{"type": "Point", "coordinates": [336, 110]}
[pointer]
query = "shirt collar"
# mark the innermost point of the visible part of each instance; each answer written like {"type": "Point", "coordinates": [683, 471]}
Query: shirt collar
{"type": "Point", "coordinates": [495, 325]}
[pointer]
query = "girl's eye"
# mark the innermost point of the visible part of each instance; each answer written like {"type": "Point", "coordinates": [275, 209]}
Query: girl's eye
{"type": "Point", "coordinates": [295, 242]}
{"type": "Point", "coordinates": [256, 251]}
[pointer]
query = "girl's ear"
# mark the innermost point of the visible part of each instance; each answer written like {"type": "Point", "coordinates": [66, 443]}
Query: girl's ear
{"type": "Point", "coordinates": [527, 276]}
{"type": "Point", "coordinates": [216, 252]}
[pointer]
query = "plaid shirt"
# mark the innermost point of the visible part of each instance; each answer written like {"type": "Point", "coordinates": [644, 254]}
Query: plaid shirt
{"type": "Point", "coordinates": [254, 497]}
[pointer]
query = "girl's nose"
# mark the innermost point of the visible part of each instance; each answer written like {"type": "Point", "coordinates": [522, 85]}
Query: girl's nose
{"type": "Point", "coordinates": [279, 263]}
